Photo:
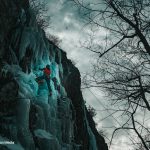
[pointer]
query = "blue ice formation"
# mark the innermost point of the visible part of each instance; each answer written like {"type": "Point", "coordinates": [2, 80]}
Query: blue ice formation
{"type": "Point", "coordinates": [36, 120]}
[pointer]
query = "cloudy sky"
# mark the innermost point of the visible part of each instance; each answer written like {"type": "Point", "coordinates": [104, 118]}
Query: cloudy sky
{"type": "Point", "coordinates": [69, 26]}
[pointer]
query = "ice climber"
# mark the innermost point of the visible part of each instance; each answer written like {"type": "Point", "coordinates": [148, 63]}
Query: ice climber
{"type": "Point", "coordinates": [46, 77]}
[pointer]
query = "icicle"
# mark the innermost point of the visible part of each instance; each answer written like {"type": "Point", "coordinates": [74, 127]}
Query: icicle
{"type": "Point", "coordinates": [92, 140]}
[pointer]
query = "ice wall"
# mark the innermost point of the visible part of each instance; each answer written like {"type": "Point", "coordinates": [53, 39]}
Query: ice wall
{"type": "Point", "coordinates": [29, 116]}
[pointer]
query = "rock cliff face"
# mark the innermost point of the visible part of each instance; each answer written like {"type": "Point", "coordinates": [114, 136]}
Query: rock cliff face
{"type": "Point", "coordinates": [29, 116]}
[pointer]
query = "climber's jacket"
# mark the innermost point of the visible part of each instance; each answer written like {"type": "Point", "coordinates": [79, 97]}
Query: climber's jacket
{"type": "Point", "coordinates": [46, 72]}
{"type": "Point", "coordinates": [46, 76]}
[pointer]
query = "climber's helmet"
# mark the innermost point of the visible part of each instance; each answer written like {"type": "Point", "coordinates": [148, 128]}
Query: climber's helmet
{"type": "Point", "coordinates": [48, 66]}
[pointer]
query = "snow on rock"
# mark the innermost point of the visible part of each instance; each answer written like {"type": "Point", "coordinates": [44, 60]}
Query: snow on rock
{"type": "Point", "coordinates": [43, 134]}
{"type": "Point", "coordinates": [46, 140]}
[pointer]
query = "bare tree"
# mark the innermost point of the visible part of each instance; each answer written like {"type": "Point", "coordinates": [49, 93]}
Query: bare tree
{"type": "Point", "coordinates": [123, 70]}
{"type": "Point", "coordinates": [91, 111]}
{"type": "Point", "coordinates": [54, 39]}
{"type": "Point", "coordinates": [39, 10]}
{"type": "Point", "coordinates": [126, 82]}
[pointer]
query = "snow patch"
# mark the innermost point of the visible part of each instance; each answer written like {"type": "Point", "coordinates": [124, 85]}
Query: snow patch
{"type": "Point", "coordinates": [43, 134]}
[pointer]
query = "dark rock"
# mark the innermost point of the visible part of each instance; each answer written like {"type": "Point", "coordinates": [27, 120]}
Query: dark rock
{"type": "Point", "coordinates": [44, 122]}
